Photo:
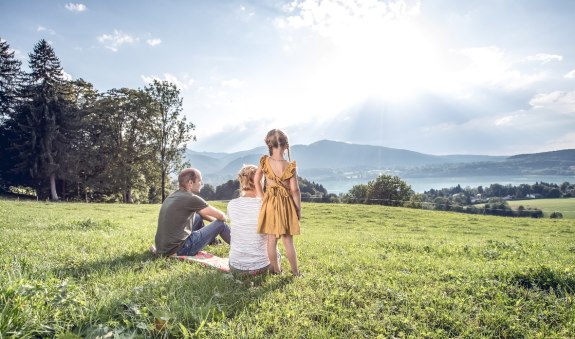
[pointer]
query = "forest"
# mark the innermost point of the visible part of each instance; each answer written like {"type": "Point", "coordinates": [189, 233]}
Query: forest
{"type": "Point", "coordinates": [62, 139]}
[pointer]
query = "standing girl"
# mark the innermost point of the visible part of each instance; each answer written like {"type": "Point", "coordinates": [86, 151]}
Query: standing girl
{"type": "Point", "coordinates": [281, 205]}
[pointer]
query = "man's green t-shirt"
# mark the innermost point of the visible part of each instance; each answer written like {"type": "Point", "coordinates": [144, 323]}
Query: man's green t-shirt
{"type": "Point", "coordinates": [175, 220]}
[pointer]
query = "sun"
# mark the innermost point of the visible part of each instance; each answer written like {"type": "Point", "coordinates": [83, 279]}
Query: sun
{"type": "Point", "coordinates": [392, 61]}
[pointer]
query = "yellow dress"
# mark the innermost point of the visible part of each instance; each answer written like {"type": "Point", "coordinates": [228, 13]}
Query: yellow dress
{"type": "Point", "coordinates": [278, 214]}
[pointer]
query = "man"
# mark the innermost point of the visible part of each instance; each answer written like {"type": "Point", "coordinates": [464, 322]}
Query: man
{"type": "Point", "coordinates": [180, 223]}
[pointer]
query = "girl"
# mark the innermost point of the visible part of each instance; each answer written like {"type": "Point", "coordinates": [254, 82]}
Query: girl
{"type": "Point", "coordinates": [281, 204]}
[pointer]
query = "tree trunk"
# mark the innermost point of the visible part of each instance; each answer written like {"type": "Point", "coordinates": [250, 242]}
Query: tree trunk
{"type": "Point", "coordinates": [163, 186]}
{"type": "Point", "coordinates": [128, 196]}
{"type": "Point", "coordinates": [53, 187]}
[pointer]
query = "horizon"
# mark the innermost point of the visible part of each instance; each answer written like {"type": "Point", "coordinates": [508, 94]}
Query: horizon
{"type": "Point", "coordinates": [359, 144]}
{"type": "Point", "coordinates": [440, 78]}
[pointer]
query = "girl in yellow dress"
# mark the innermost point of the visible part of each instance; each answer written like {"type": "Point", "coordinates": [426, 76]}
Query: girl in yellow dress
{"type": "Point", "coordinates": [281, 204]}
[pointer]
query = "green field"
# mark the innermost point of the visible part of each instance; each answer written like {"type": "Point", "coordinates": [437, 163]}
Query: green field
{"type": "Point", "coordinates": [565, 206]}
{"type": "Point", "coordinates": [83, 270]}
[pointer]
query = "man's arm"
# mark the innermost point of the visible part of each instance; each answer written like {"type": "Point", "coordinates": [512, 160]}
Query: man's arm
{"type": "Point", "coordinates": [211, 213]}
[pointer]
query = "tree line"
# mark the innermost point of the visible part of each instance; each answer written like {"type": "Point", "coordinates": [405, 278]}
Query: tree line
{"type": "Point", "coordinates": [310, 191]}
{"type": "Point", "coordinates": [66, 140]}
{"type": "Point", "coordinates": [492, 200]}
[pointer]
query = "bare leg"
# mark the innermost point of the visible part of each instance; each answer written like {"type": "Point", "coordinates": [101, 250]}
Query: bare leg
{"type": "Point", "coordinates": [291, 253]}
{"type": "Point", "coordinates": [273, 254]}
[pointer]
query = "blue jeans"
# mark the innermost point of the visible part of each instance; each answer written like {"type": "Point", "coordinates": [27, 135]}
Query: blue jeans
{"type": "Point", "coordinates": [203, 235]}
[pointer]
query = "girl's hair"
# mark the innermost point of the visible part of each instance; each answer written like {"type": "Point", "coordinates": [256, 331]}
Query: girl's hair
{"type": "Point", "coordinates": [277, 138]}
{"type": "Point", "coordinates": [246, 177]}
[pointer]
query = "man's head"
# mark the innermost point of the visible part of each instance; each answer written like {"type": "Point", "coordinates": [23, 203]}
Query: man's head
{"type": "Point", "coordinates": [190, 180]}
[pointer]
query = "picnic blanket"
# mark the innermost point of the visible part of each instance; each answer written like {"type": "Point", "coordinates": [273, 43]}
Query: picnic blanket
{"type": "Point", "coordinates": [207, 259]}
{"type": "Point", "coordinates": [202, 257]}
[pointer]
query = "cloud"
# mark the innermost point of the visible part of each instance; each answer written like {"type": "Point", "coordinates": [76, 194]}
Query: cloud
{"type": "Point", "coordinates": [182, 84]}
{"type": "Point", "coordinates": [566, 141]}
{"type": "Point", "coordinates": [557, 101]}
{"type": "Point", "coordinates": [44, 29]}
{"type": "Point", "coordinates": [544, 57]}
{"type": "Point", "coordinates": [116, 40]}
{"type": "Point", "coordinates": [570, 75]}
{"type": "Point", "coordinates": [332, 17]}
{"type": "Point", "coordinates": [153, 42]}
{"type": "Point", "coordinates": [232, 83]}
{"type": "Point", "coordinates": [506, 120]}
{"type": "Point", "coordinates": [76, 7]}
{"type": "Point", "coordinates": [490, 66]}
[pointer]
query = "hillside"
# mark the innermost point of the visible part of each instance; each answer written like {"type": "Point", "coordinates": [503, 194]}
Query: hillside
{"type": "Point", "coordinates": [369, 271]}
{"type": "Point", "coordinates": [333, 160]}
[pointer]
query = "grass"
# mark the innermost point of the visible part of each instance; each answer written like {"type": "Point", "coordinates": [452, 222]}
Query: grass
{"type": "Point", "coordinates": [566, 206]}
{"type": "Point", "coordinates": [83, 270]}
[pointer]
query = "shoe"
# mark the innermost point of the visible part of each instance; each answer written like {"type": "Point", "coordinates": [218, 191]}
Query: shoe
{"type": "Point", "coordinates": [216, 242]}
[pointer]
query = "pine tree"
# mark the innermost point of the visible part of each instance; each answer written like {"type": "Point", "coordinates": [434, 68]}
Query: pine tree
{"type": "Point", "coordinates": [43, 118]}
{"type": "Point", "coordinates": [10, 78]}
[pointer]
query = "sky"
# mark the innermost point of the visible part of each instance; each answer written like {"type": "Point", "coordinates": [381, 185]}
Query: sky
{"type": "Point", "coordinates": [492, 77]}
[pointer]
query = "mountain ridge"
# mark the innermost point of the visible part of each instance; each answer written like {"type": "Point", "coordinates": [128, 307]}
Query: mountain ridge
{"type": "Point", "coordinates": [334, 160]}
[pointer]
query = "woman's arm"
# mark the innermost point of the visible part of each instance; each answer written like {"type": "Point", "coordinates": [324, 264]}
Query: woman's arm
{"type": "Point", "coordinates": [258, 182]}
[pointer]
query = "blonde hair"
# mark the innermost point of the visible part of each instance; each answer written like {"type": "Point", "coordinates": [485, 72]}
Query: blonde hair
{"type": "Point", "coordinates": [246, 177]}
{"type": "Point", "coordinates": [276, 138]}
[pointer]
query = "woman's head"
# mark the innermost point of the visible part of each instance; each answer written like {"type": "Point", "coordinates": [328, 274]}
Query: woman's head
{"type": "Point", "coordinates": [246, 177]}
{"type": "Point", "coordinates": [277, 138]}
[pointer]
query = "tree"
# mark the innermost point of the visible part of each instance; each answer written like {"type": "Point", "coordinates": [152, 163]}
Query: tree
{"type": "Point", "coordinates": [208, 192]}
{"type": "Point", "coordinates": [388, 190]}
{"type": "Point", "coordinates": [10, 80]}
{"type": "Point", "coordinates": [77, 154]}
{"type": "Point", "coordinates": [170, 131]}
{"type": "Point", "coordinates": [228, 190]}
{"type": "Point", "coordinates": [42, 118]}
{"type": "Point", "coordinates": [125, 155]}
{"type": "Point", "coordinates": [358, 194]}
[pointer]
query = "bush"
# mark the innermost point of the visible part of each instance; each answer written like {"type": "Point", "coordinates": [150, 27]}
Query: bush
{"type": "Point", "coordinates": [556, 215]}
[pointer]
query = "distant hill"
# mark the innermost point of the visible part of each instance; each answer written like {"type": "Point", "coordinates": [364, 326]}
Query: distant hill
{"type": "Point", "coordinates": [333, 160]}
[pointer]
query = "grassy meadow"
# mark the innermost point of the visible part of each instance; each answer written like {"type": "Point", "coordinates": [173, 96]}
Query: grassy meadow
{"type": "Point", "coordinates": [566, 206]}
{"type": "Point", "coordinates": [72, 270]}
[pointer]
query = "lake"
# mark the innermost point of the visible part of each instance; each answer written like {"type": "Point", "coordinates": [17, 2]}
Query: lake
{"type": "Point", "coordinates": [419, 185]}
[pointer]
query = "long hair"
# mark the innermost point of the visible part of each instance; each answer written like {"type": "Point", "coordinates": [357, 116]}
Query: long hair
{"type": "Point", "coordinates": [276, 138]}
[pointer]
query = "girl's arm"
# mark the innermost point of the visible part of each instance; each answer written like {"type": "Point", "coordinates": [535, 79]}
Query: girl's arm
{"type": "Point", "coordinates": [295, 193]}
{"type": "Point", "coordinates": [258, 182]}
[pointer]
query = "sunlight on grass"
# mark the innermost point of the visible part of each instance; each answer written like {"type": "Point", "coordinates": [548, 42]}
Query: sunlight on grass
{"type": "Point", "coordinates": [83, 270]}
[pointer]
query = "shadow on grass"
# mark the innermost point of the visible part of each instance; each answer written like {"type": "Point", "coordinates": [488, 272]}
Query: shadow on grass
{"type": "Point", "coordinates": [80, 269]}
{"type": "Point", "coordinates": [165, 297]}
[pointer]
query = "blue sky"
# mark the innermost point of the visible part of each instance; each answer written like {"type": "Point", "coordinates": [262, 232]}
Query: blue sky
{"type": "Point", "coordinates": [440, 76]}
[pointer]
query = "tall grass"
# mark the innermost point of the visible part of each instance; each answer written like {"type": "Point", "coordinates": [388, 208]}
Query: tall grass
{"type": "Point", "coordinates": [83, 270]}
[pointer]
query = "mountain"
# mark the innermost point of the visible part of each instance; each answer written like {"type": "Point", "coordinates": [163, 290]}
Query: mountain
{"type": "Point", "coordinates": [332, 160]}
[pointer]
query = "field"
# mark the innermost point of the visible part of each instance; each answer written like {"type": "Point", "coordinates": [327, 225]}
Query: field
{"type": "Point", "coordinates": [548, 206]}
{"type": "Point", "coordinates": [83, 270]}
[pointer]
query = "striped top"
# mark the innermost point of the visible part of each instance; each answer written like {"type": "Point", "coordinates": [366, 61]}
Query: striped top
{"type": "Point", "coordinates": [248, 249]}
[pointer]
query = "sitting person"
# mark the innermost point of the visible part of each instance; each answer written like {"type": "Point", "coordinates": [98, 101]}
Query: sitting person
{"type": "Point", "coordinates": [180, 223]}
{"type": "Point", "coordinates": [248, 251]}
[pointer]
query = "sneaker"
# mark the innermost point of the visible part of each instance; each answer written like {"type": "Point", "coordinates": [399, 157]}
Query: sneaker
{"type": "Point", "coordinates": [216, 242]}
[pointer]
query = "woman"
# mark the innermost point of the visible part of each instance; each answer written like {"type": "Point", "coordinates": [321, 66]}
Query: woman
{"type": "Point", "coordinates": [248, 249]}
